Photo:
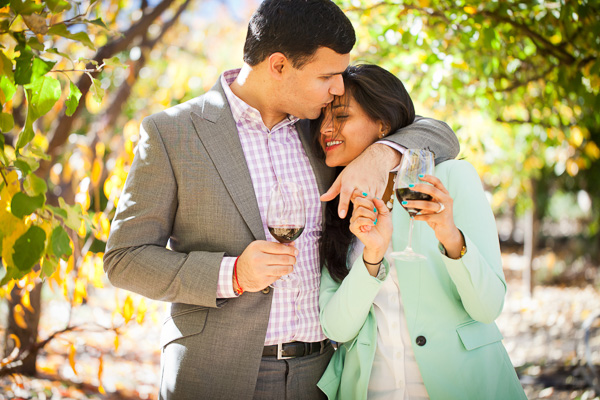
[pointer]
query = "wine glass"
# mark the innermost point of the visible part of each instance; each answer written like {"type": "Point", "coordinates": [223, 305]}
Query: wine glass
{"type": "Point", "coordinates": [286, 214]}
{"type": "Point", "coordinates": [415, 162]}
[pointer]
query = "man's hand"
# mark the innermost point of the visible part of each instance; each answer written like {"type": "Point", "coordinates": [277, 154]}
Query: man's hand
{"type": "Point", "coordinates": [367, 173]}
{"type": "Point", "coordinates": [262, 263]}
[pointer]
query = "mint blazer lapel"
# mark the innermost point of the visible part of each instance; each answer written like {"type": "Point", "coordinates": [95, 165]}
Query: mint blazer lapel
{"type": "Point", "coordinates": [216, 129]}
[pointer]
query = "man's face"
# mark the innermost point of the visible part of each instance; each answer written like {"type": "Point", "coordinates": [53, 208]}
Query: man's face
{"type": "Point", "coordinates": [307, 90]}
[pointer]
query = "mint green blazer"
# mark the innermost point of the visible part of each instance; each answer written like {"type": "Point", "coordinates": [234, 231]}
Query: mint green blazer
{"type": "Point", "coordinates": [450, 306]}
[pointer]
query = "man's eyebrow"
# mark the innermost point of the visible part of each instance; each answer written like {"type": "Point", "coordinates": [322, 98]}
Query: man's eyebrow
{"type": "Point", "coordinates": [333, 73]}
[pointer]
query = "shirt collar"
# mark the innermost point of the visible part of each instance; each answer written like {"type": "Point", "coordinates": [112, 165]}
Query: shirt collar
{"type": "Point", "coordinates": [240, 109]}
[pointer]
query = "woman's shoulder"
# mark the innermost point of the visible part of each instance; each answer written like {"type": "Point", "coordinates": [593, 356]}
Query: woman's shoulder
{"type": "Point", "coordinates": [455, 166]}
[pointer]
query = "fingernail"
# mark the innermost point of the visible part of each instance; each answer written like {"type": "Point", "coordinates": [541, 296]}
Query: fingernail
{"type": "Point", "coordinates": [375, 209]}
{"type": "Point", "coordinates": [365, 194]}
{"type": "Point", "coordinates": [404, 203]}
{"type": "Point", "coordinates": [421, 176]}
{"type": "Point", "coordinates": [342, 214]}
{"type": "Point", "coordinates": [411, 185]}
{"type": "Point", "coordinates": [375, 223]}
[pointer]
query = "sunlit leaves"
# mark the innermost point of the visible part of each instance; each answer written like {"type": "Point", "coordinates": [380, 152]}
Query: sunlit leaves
{"type": "Point", "coordinates": [23, 204]}
{"type": "Point", "coordinates": [62, 30]}
{"type": "Point", "coordinates": [73, 99]}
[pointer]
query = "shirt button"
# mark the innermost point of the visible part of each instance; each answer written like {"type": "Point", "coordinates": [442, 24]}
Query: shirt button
{"type": "Point", "coordinates": [421, 340]}
{"type": "Point", "coordinates": [266, 290]}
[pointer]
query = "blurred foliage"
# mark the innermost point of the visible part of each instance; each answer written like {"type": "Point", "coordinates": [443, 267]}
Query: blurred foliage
{"type": "Point", "coordinates": [518, 80]}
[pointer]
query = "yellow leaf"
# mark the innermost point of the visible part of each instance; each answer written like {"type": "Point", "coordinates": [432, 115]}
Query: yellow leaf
{"type": "Point", "coordinates": [96, 171]}
{"type": "Point", "coordinates": [19, 316]}
{"type": "Point", "coordinates": [141, 312]}
{"type": "Point", "coordinates": [592, 150]}
{"type": "Point", "coordinates": [116, 342]}
{"type": "Point", "coordinates": [15, 339]}
{"type": "Point", "coordinates": [128, 309]}
{"type": "Point", "coordinates": [470, 10]}
{"type": "Point", "coordinates": [26, 301]}
{"type": "Point", "coordinates": [80, 292]}
{"type": "Point", "coordinates": [72, 352]}
{"type": "Point", "coordinates": [100, 369]}
{"type": "Point", "coordinates": [82, 231]}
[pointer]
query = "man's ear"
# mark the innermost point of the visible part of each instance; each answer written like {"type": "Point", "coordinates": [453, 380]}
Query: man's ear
{"type": "Point", "coordinates": [277, 64]}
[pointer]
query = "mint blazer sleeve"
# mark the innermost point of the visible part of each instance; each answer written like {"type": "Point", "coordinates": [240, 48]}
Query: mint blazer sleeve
{"type": "Point", "coordinates": [344, 307]}
{"type": "Point", "coordinates": [430, 134]}
{"type": "Point", "coordinates": [478, 275]}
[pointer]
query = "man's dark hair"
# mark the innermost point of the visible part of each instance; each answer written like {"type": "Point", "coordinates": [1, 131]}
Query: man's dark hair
{"type": "Point", "coordinates": [297, 28]}
{"type": "Point", "coordinates": [383, 97]}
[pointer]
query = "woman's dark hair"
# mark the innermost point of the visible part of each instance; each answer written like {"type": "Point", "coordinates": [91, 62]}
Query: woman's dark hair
{"type": "Point", "coordinates": [297, 28]}
{"type": "Point", "coordinates": [383, 97]}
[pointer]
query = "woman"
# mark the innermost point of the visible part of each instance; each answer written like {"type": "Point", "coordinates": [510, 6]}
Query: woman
{"type": "Point", "coordinates": [409, 330]}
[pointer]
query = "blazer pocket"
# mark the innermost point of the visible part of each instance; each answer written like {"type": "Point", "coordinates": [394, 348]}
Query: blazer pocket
{"type": "Point", "coordinates": [183, 324]}
{"type": "Point", "coordinates": [475, 334]}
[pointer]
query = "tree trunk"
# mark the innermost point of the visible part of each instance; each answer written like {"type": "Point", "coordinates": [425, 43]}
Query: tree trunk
{"type": "Point", "coordinates": [28, 336]}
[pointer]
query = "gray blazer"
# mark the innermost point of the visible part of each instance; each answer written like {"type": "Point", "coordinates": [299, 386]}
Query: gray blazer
{"type": "Point", "coordinates": [189, 201]}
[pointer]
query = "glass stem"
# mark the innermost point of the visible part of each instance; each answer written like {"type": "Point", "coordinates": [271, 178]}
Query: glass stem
{"type": "Point", "coordinates": [410, 229]}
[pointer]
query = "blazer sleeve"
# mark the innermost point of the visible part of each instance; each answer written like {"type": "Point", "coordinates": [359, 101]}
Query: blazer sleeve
{"type": "Point", "coordinates": [345, 307]}
{"type": "Point", "coordinates": [478, 275]}
{"type": "Point", "coordinates": [136, 256]}
{"type": "Point", "coordinates": [430, 134]}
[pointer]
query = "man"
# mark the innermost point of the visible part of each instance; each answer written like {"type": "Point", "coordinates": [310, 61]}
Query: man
{"type": "Point", "coordinates": [200, 183]}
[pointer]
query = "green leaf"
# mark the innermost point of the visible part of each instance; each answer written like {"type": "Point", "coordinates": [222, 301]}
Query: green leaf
{"type": "Point", "coordinates": [99, 22]}
{"type": "Point", "coordinates": [49, 265]}
{"type": "Point", "coordinates": [41, 67]}
{"type": "Point", "coordinates": [73, 219]}
{"type": "Point", "coordinates": [62, 30]}
{"type": "Point", "coordinates": [60, 243]}
{"type": "Point", "coordinates": [4, 3]}
{"type": "Point", "coordinates": [7, 122]}
{"type": "Point", "coordinates": [35, 185]}
{"type": "Point", "coordinates": [29, 248]}
{"type": "Point", "coordinates": [64, 55]}
{"type": "Point", "coordinates": [58, 211]}
{"type": "Point", "coordinates": [24, 65]}
{"type": "Point", "coordinates": [73, 99]}
{"type": "Point", "coordinates": [8, 88]}
{"type": "Point", "coordinates": [22, 205]}
{"type": "Point", "coordinates": [1, 149]}
{"type": "Point", "coordinates": [26, 7]}
{"type": "Point", "coordinates": [96, 89]}
{"type": "Point", "coordinates": [114, 62]}
{"type": "Point", "coordinates": [34, 43]}
{"type": "Point", "coordinates": [23, 167]}
{"type": "Point", "coordinates": [6, 66]}
{"type": "Point", "coordinates": [45, 92]}
{"type": "Point", "coordinates": [58, 6]}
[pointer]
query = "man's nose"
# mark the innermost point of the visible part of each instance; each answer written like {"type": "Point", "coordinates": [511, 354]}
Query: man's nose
{"type": "Point", "coordinates": [337, 87]}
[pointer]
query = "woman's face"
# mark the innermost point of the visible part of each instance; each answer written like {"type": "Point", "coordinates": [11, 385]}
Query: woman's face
{"type": "Point", "coordinates": [346, 131]}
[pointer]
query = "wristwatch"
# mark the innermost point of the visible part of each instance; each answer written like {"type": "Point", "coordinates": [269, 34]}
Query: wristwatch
{"type": "Point", "coordinates": [463, 250]}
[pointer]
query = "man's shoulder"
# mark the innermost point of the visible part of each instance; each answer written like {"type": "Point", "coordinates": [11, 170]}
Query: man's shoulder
{"type": "Point", "coordinates": [214, 96]}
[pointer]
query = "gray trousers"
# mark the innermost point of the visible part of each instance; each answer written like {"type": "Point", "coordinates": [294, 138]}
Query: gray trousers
{"type": "Point", "coordinates": [292, 379]}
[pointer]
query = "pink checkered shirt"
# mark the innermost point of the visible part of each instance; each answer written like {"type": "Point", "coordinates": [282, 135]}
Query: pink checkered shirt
{"type": "Point", "coordinates": [273, 154]}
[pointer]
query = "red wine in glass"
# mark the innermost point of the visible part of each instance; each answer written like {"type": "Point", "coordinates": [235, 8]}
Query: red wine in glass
{"type": "Point", "coordinates": [406, 194]}
{"type": "Point", "coordinates": [286, 234]}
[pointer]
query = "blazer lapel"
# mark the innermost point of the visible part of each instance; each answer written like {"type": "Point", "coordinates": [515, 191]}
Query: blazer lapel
{"type": "Point", "coordinates": [217, 130]}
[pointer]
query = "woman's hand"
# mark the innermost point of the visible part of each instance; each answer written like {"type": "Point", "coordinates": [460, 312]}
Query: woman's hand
{"type": "Point", "coordinates": [371, 223]}
{"type": "Point", "coordinates": [438, 213]}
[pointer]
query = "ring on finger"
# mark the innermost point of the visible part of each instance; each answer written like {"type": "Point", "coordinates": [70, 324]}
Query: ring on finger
{"type": "Point", "coordinates": [442, 208]}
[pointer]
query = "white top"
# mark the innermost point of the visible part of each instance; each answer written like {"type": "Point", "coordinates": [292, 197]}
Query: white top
{"type": "Point", "coordinates": [395, 374]}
